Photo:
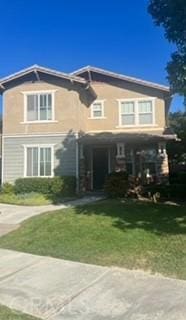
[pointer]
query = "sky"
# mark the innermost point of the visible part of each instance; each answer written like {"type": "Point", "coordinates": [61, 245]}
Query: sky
{"type": "Point", "coordinates": [118, 35]}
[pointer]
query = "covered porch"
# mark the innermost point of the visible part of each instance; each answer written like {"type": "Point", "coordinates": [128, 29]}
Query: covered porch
{"type": "Point", "coordinates": [143, 156]}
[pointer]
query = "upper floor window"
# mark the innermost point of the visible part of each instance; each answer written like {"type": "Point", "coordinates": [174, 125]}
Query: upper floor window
{"type": "Point", "coordinates": [145, 112]}
{"type": "Point", "coordinates": [97, 109]}
{"type": "Point", "coordinates": [136, 112]}
{"type": "Point", "coordinates": [127, 113]}
{"type": "Point", "coordinates": [39, 106]}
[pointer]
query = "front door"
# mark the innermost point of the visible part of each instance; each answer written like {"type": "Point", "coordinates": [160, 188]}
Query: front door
{"type": "Point", "coordinates": [100, 167]}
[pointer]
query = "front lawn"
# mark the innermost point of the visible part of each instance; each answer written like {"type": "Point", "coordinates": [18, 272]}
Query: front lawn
{"type": "Point", "coordinates": [8, 314]}
{"type": "Point", "coordinates": [133, 235]}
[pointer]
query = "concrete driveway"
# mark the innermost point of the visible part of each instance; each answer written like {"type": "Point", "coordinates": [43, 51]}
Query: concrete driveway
{"type": "Point", "coordinates": [62, 290]}
{"type": "Point", "coordinates": [11, 215]}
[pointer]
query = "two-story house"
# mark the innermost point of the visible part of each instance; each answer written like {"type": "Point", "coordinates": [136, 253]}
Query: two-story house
{"type": "Point", "coordinates": [85, 124]}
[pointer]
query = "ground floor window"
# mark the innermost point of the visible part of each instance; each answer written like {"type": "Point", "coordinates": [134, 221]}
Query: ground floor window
{"type": "Point", "coordinates": [38, 162]}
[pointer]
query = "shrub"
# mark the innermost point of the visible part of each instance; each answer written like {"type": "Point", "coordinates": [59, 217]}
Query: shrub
{"type": "Point", "coordinates": [172, 191]}
{"type": "Point", "coordinates": [56, 185]}
{"type": "Point", "coordinates": [7, 188]}
{"type": "Point", "coordinates": [51, 186]}
{"type": "Point", "coordinates": [26, 185]}
{"type": "Point", "coordinates": [116, 184]}
{"type": "Point", "coordinates": [178, 177]}
{"type": "Point", "coordinates": [26, 199]}
{"type": "Point", "coordinates": [178, 191]}
{"type": "Point", "coordinates": [69, 185]}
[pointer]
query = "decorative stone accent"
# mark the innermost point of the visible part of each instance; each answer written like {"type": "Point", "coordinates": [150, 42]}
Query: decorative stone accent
{"type": "Point", "coordinates": [162, 163]}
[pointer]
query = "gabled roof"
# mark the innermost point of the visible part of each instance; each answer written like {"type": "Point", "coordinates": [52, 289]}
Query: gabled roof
{"type": "Point", "coordinates": [36, 68]}
{"type": "Point", "coordinates": [119, 76]}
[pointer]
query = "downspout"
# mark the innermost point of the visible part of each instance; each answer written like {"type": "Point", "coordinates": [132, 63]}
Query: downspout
{"type": "Point", "coordinates": [2, 141]}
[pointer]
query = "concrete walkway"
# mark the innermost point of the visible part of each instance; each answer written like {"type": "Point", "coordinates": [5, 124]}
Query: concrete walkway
{"type": "Point", "coordinates": [55, 289]}
{"type": "Point", "coordinates": [11, 216]}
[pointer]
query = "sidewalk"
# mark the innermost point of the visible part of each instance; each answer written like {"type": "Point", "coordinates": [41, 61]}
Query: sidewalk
{"type": "Point", "coordinates": [11, 215]}
{"type": "Point", "coordinates": [55, 289]}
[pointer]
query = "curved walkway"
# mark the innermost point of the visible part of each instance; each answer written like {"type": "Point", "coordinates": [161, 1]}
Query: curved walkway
{"type": "Point", "coordinates": [11, 215]}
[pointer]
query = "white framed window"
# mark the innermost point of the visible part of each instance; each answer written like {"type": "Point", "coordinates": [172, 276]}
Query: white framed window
{"type": "Point", "coordinates": [120, 150]}
{"type": "Point", "coordinates": [39, 106]}
{"type": "Point", "coordinates": [145, 112]}
{"type": "Point", "coordinates": [136, 112]}
{"type": "Point", "coordinates": [127, 113]}
{"type": "Point", "coordinates": [39, 161]}
{"type": "Point", "coordinates": [97, 109]}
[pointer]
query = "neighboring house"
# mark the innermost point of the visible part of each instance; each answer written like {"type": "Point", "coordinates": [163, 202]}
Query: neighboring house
{"type": "Point", "coordinates": [85, 124]}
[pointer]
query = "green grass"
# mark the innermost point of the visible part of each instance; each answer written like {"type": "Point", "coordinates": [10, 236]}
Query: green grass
{"type": "Point", "coordinates": [32, 199]}
{"type": "Point", "coordinates": [8, 314]}
{"type": "Point", "coordinates": [28, 199]}
{"type": "Point", "coordinates": [133, 235]}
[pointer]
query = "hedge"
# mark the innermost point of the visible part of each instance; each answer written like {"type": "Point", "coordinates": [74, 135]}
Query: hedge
{"type": "Point", "coordinates": [64, 185]}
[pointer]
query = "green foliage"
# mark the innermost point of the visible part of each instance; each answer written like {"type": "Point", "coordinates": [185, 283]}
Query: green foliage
{"type": "Point", "coordinates": [50, 186]}
{"type": "Point", "coordinates": [178, 178]}
{"type": "Point", "coordinates": [25, 199]}
{"type": "Point", "coordinates": [177, 150]}
{"type": "Point", "coordinates": [172, 191]}
{"type": "Point", "coordinates": [56, 185]}
{"type": "Point", "coordinates": [176, 69]}
{"type": "Point", "coordinates": [9, 314]}
{"type": "Point", "coordinates": [7, 188]}
{"type": "Point", "coordinates": [26, 185]}
{"type": "Point", "coordinates": [116, 184]}
{"type": "Point", "coordinates": [171, 15]}
{"type": "Point", "coordinates": [68, 186]}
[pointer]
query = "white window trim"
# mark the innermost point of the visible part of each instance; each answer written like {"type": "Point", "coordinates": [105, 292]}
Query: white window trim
{"type": "Point", "coordinates": [38, 146]}
{"type": "Point", "coordinates": [120, 146]}
{"type": "Point", "coordinates": [102, 107]}
{"type": "Point", "coordinates": [26, 93]}
{"type": "Point", "coordinates": [136, 112]}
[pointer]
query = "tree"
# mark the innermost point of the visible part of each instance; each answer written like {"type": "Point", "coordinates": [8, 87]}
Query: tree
{"type": "Point", "coordinates": [177, 150]}
{"type": "Point", "coordinates": [171, 15]}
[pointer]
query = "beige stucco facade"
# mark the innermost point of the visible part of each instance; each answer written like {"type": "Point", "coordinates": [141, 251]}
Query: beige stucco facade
{"type": "Point", "coordinates": [68, 110]}
{"type": "Point", "coordinates": [72, 113]}
{"type": "Point", "coordinates": [111, 95]}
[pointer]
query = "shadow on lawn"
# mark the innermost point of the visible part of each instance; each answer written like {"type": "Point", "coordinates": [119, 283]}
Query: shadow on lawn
{"type": "Point", "coordinates": [157, 218]}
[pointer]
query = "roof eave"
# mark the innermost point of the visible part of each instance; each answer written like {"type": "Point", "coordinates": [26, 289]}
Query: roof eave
{"type": "Point", "coordinates": [122, 77]}
{"type": "Point", "coordinates": [37, 69]}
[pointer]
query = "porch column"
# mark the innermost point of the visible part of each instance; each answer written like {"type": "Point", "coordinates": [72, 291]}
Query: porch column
{"type": "Point", "coordinates": [120, 157]}
{"type": "Point", "coordinates": [162, 163]}
{"type": "Point", "coordinates": [81, 169]}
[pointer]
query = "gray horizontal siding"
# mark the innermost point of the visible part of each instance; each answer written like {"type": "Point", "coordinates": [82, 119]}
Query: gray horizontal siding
{"type": "Point", "coordinates": [13, 155]}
